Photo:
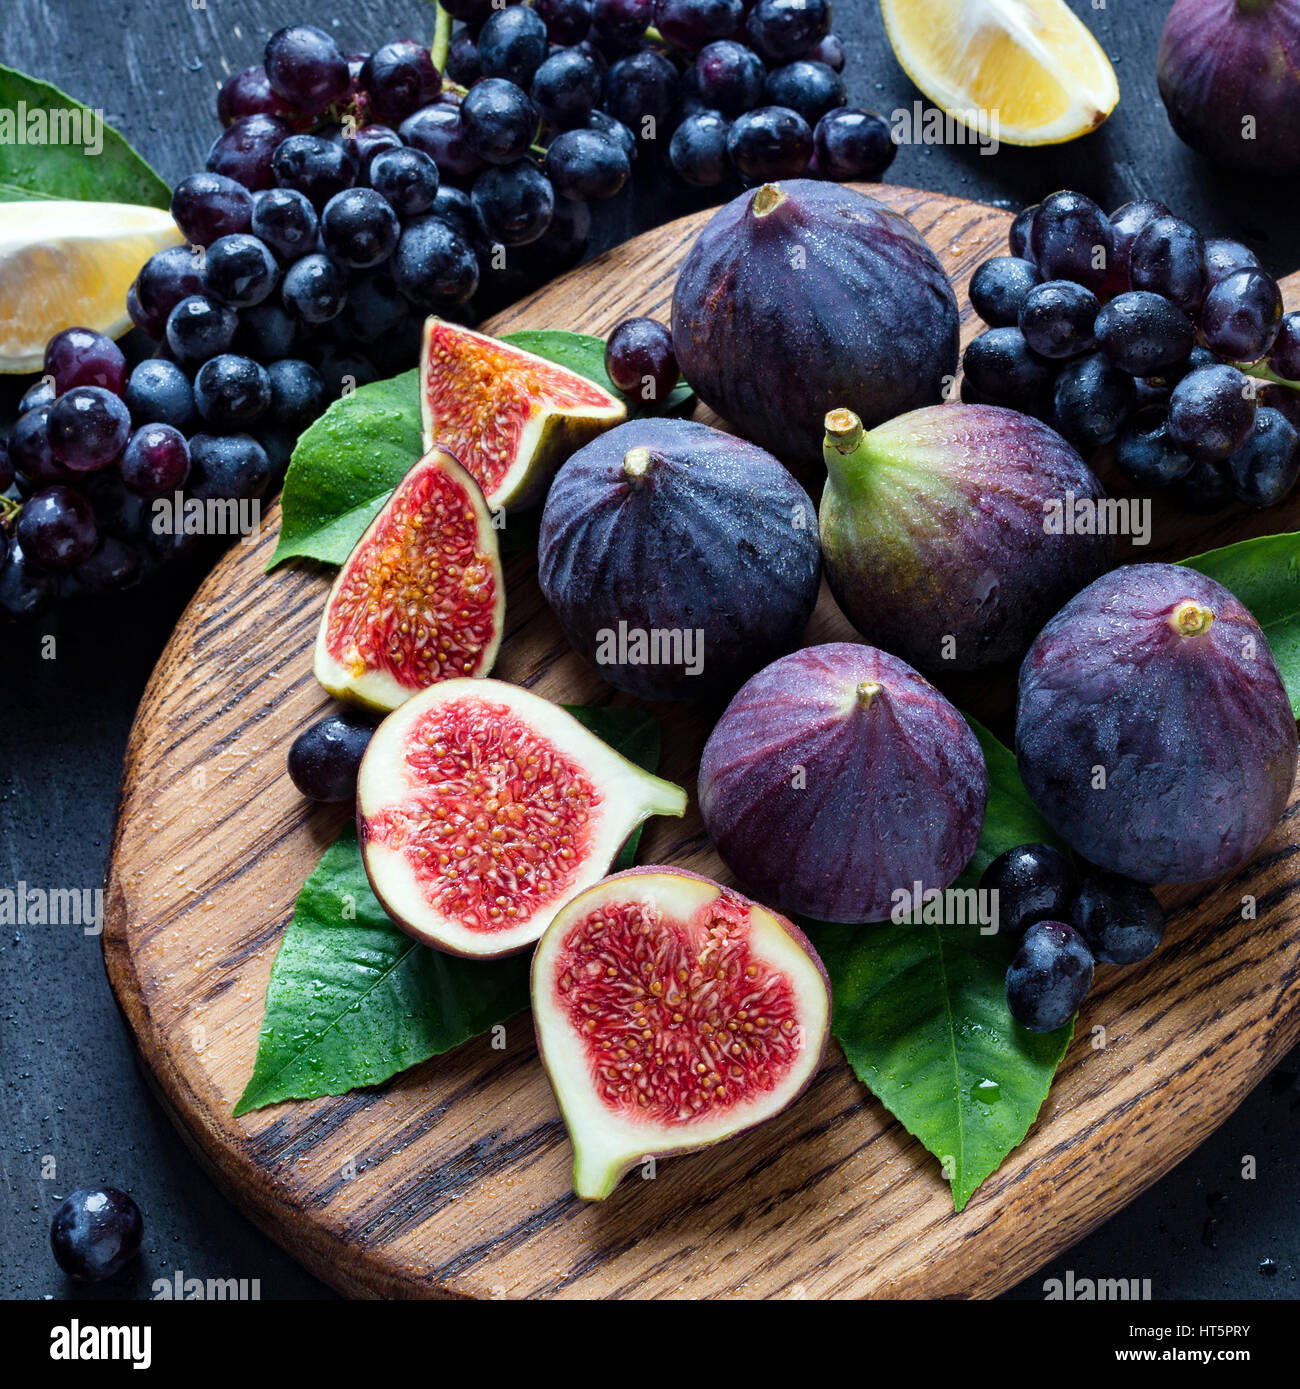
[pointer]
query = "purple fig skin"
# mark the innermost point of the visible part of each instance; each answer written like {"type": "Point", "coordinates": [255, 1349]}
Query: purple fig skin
{"type": "Point", "coordinates": [1223, 62]}
{"type": "Point", "coordinates": [803, 296]}
{"type": "Point", "coordinates": [700, 532]}
{"type": "Point", "coordinates": [934, 528]}
{"type": "Point", "coordinates": [838, 776]}
{"type": "Point", "coordinates": [1192, 726]}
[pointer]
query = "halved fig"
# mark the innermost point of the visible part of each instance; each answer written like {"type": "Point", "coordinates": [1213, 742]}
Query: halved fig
{"type": "Point", "coordinates": [510, 417]}
{"type": "Point", "coordinates": [421, 597]}
{"type": "Point", "coordinates": [482, 809]}
{"type": "Point", "coordinates": [672, 1013]}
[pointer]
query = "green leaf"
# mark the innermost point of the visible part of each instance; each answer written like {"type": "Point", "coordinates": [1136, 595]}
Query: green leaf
{"type": "Point", "coordinates": [352, 1000]}
{"type": "Point", "coordinates": [1265, 574]}
{"type": "Point", "coordinates": [56, 167]}
{"type": "Point", "coordinates": [920, 1009]}
{"type": "Point", "coordinates": [346, 465]}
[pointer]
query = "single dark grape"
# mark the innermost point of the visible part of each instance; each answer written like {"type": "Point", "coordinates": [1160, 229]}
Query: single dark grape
{"type": "Point", "coordinates": [498, 120]}
{"type": "Point", "coordinates": [343, 370]}
{"type": "Point", "coordinates": [1241, 315]}
{"type": "Point", "coordinates": [1205, 489]}
{"type": "Point", "coordinates": [438, 131]}
{"type": "Point", "coordinates": [246, 150]}
{"type": "Point", "coordinates": [1145, 453]}
{"type": "Point", "coordinates": [1121, 921]}
{"type": "Point", "coordinates": [206, 206]}
{"type": "Point", "coordinates": [1071, 240]}
{"type": "Point", "coordinates": [770, 143]}
{"type": "Point", "coordinates": [512, 45]}
{"type": "Point", "coordinates": [434, 265]}
{"type": "Point", "coordinates": [112, 567]}
{"type": "Point", "coordinates": [851, 143]}
{"type": "Point", "coordinates": [471, 12]}
{"type": "Point", "coordinates": [406, 178]}
{"type": "Point", "coordinates": [314, 289]}
{"type": "Point", "coordinates": [782, 30]}
{"type": "Point", "coordinates": [640, 91]}
{"type": "Point", "coordinates": [164, 280]}
{"type": "Point", "coordinates": [583, 164]}
{"type": "Point", "coordinates": [1057, 317]}
{"type": "Point", "coordinates": [368, 142]}
{"type": "Point", "coordinates": [810, 88]}
{"type": "Point", "coordinates": [56, 528]}
{"type": "Point", "coordinates": [324, 759]}
{"type": "Point", "coordinates": [566, 89]}
{"type": "Point", "coordinates": [306, 68]}
{"type": "Point", "coordinates": [95, 1233]}
{"type": "Point", "coordinates": [1125, 225]}
{"type": "Point", "coordinates": [1284, 356]}
{"type": "Point", "coordinates": [565, 238]}
{"type": "Point", "coordinates": [691, 24]}
{"type": "Point", "coordinates": [240, 270]}
{"type": "Point", "coordinates": [1284, 400]}
{"type": "Point", "coordinates": [698, 149]}
{"type": "Point", "coordinates": [462, 59]}
{"type": "Point", "coordinates": [30, 451]}
{"type": "Point", "coordinates": [1018, 237]}
{"type": "Point", "coordinates": [297, 392]}
{"type": "Point", "coordinates": [515, 202]}
{"type": "Point", "coordinates": [249, 93]}
{"type": "Point", "coordinates": [999, 287]}
{"type": "Point", "coordinates": [228, 467]}
{"type": "Point", "coordinates": [82, 357]}
{"type": "Point", "coordinates": [399, 78]}
{"type": "Point", "coordinates": [286, 221]}
{"type": "Point", "coordinates": [729, 77]}
{"type": "Point", "coordinates": [1049, 977]}
{"type": "Point", "coordinates": [1143, 333]}
{"type": "Point", "coordinates": [455, 207]}
{"type": "Point", "coordinates": [1034, 882]}
{"type": "Point", "coordinates": [314, 166]}
{"type": "Point", "coordinates": [1264, 469]}
{"type": "Point", "coordinates": [159, 392]}
{"type": "Point", "coordinates": [231, 392]}
{"type": "Point", "coordinates": [1211, 412]}
{"type": "Point", "coordinates": [622, 22]}
{"type": "Point", "coordinates": [24, 590]}
{"type": "Point", "coordinates": [266, 332]}
{"type": "Point", "coordinates": [39, 393]}
{"type": "Point", "coordinates": [1223, 255]}
{"type": "Point", "coordinates": [359, 227]}
{"type": "Point", "coordinates": [88, 428]}
{"type": "Point", "coordinates": [639, 359]}
{"type": "Point", "coordinates": [1000, 364]}
{"type": "Point", "coordinates": [156, 461]}
{"type": "Point", "coordinates": [1092, 399]}
{"type": "Point", "coordinates": [607, 125]}
{"type": "Point", "coordinates": [199, 328]}
{"type": "Point", "coordinates": [567, 21]}
{"type": "Point", "coordinates": [1168, 257]}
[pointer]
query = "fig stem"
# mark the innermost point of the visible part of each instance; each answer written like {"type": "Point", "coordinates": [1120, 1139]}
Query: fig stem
{"type": "Point", "coordinates": [867, 691]}
{"type": "Point", "coordinates": [768, 198]}
{"type": "Point", "coordinates": [636, 464]}
{"type": "Point", "coordinates": [1191, 619]}
{"type": "Point", "coordinates": [843, 431]}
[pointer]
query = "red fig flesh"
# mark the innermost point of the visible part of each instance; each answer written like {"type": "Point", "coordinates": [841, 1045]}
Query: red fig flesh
{"type": "Point", "coordinates": [482, 808]}
{"type": "Point", "coordinates": [672, 1013]}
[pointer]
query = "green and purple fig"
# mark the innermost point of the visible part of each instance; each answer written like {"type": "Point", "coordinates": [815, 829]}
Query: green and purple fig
{"type": "Point", "coordinates": [839, 778]}
{"type": "Point", "coordinates": [952, 533]}
{"type": "Point", "coordinates": [1153, 729]}
{"type": "Point", "coordinates": [801, 296]}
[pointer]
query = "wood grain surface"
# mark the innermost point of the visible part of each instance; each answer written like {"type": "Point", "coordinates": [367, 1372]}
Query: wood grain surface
{"type": "Point", "coordinates": [453, 1178]}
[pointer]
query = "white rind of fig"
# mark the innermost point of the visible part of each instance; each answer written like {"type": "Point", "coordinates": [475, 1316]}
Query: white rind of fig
{"type": "Point", "coordinates": [607, 1144]}
{"type": "Point", "coordinates": [359, 681]}
{"type": "Point", "coordinates": [550, 431]}
{"type": "Point", "coordinates": [628, 796]}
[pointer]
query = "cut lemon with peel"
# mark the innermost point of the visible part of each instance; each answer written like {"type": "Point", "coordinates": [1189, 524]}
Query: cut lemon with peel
{"type": "Point", "coordinates": [66, 264]}
{"type": "Point", "coordinates": [1031, 66]}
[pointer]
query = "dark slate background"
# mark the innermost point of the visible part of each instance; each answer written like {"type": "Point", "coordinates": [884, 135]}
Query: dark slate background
{"type": "Point", "coordinates": [71, 1088]}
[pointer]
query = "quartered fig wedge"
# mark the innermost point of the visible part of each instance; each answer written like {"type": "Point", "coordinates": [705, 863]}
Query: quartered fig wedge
{"type": "Point", "coordinates": [672, 1013]}
{"type": "Point", "coordinates": [510, 417]}
{"type": "Point", "coordinates": [421, 598]}
{"type": "Point", "coordinates": [482, 809]}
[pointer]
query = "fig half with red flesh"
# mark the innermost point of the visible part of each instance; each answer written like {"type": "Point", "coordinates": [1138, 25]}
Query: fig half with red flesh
{"type": "Point", "coordinates": [482, 809]}
{"type": "Point", "coordinates": [510, 417]}
{"type": "Point", "coordinates": [672, 1013]}
{"type": "Point", "coordinates": [421, 598]}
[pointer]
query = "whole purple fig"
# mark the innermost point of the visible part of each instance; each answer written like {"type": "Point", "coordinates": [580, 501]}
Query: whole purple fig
{"type": "Point", "coordinates": [1153, 729]}
{"type": "Point", "coordinates": [839, 778]}
{"type": "Point", "coordinates": [802, 296]}
{"type": "Point", "coordinates": [1229, 73]}
{"type": "Point", "coordinates": [952, 533]}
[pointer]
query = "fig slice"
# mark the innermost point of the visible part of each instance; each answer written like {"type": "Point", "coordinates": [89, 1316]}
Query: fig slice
{"type": "Point", "coordinates": [671, 1013]}
{"type": "Point", "coordinates": [421, 598]}
{"type": "Point", "coordinates": [482, 808]}
{"type": "Point", "coordinates": [510, 417]}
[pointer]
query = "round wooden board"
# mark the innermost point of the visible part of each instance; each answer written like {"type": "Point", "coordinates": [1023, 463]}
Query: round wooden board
{"type": "Point", "coordinates": [453, 1178]}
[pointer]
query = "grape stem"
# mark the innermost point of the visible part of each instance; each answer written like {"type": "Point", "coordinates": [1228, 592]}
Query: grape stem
{"type": "Point", "coordinates": [1263, 372]}
{"type": "Point", "coordinates": [441, 39]}
{"type": "Point", "coordinates": [9, 508]}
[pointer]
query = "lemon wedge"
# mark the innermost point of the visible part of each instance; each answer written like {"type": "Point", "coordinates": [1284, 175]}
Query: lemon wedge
{"type": "Point", "coordinates": [65, 264]}
{"type": "Point", "coordinates": [1031, 65]}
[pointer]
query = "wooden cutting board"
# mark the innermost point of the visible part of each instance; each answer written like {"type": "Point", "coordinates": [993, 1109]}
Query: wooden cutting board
{"type": "Point", "coordinates": [453, 1178]}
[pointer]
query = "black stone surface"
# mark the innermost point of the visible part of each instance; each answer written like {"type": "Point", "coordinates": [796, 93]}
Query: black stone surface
{"type": "Point", "coordinates": [76, 1110]}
